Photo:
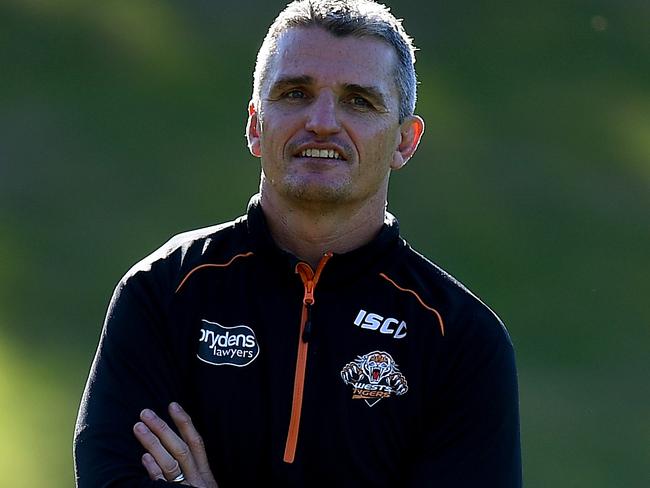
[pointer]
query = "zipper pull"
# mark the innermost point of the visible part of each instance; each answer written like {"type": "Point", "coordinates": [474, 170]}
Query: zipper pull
{"type": "Point", "coordinates": [309, 280]}
{"type": "Point", "coordinates": [308, 301]}
{"type": "Point", "coordinates": [308, 298]}
{"type": "Point", "coordinates": [306, 333]}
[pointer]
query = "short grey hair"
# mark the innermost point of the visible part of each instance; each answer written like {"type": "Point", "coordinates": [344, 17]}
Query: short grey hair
{"type": "Point", "coordinates": [357, 18]}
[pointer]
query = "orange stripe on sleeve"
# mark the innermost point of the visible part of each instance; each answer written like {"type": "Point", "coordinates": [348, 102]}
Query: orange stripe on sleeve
{"type": "Point", "coordinates": [437, 314]}
{"type": "Point", "coordinates": [212, 266]}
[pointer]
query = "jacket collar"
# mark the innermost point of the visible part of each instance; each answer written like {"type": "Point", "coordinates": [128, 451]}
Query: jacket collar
{"type": "Point", "coordinates": [340, 266]}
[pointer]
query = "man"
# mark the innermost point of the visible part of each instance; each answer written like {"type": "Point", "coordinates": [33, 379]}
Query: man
{"type": "Point", "coordinates": [306, 342]}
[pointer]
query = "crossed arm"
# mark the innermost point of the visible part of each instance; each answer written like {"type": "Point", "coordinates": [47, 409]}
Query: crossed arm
{"type": "Point", "coordinates": [168, 455]}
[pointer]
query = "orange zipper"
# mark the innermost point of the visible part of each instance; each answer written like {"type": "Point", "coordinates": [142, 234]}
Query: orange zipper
{"type": "Point", "coordinates": [309, 281]}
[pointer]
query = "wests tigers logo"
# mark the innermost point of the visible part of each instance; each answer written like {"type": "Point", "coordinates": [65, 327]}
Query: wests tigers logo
{"type": "Point", "coordinates": [374, 376]}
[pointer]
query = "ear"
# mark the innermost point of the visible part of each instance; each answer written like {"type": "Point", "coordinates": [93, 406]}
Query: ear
{"type": "Point", "coordinates": [410, 133]}
{"type": "Point", "coordinates": [253, 130]}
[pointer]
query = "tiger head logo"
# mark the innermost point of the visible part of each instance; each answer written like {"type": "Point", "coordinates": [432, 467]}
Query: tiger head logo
{"type": "Point", "coordinates": [376, 366]}
{"type": "Point", "coordinates": [374, 376]}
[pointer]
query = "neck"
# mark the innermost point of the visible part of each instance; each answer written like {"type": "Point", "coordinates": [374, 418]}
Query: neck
{"type": "Point", "coordinates": [310, 230]}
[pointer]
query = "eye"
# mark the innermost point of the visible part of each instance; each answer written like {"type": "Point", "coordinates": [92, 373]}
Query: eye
{"type": "Point", "coordinates": [359, 102]}
{"type": "Point", "coordinates": [295, 94]}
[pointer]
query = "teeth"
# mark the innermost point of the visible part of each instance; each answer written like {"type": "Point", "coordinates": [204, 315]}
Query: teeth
{"type": "Point", "coordinates": [320, 153]}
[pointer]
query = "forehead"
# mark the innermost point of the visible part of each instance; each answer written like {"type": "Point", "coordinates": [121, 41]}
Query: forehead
{"type": "Point", "coordinates": [332, 60]}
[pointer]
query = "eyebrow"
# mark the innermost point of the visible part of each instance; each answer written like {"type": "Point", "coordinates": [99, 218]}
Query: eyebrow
{"type": "Point", "coordinates": [289, 81]}
{"type": "Point", "coordinates": [372, 92]}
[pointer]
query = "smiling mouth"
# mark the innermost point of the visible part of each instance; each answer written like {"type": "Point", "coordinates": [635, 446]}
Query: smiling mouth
{"type": "Point", "coordinates": [320, 153]}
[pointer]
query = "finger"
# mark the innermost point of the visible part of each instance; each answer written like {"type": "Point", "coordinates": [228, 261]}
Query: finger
{"type": "Point", "coordinates": [168, 465]}
{"type": "Point", "coordinates": [173, 444]}
{"type": "Point", "coordinates": [150, 464]}
{"type": "Point", "coordinates": [163, 455]}
{"type": "Point", "coordinates": [193, 439]}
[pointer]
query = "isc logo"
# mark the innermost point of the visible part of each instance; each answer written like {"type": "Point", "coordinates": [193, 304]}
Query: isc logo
{"type": "Point", "coordinates": [375, 321]}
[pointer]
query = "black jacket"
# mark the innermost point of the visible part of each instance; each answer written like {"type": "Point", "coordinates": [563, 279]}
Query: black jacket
{"type": "Point", "coordinates": [377, 369]}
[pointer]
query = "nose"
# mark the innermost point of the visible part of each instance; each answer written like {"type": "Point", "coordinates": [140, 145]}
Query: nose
{"type": "Point", "coordinates": [322, 118]}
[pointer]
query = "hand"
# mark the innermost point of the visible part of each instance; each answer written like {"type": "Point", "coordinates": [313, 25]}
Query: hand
{"type": "Point", "coordinates": [170, 455]}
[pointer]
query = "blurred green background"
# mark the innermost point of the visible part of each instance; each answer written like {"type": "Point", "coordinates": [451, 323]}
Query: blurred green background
{"type": "Point", "coordinates": [121, 123]}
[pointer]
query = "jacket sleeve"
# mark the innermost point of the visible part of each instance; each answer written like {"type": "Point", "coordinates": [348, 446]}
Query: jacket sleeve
{"type": "Point", "coordinates": [475, 440]}
{"type": "Point", "coordinates": [132, 370]}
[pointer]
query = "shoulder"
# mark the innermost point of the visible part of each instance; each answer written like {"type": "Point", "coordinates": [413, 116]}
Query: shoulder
{"type": "Point", "coordinates": [464, 314]}
{"type": "Point", "coordinates": [185, 251]}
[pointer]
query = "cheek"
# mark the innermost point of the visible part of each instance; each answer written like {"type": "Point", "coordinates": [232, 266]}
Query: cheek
{"type": "Point", "coordinates": [378, 146]}
{"type": "Point", "coordinates": [276, 132]}
{"type": "Point", "coordinates": [381, 141]}
{"type": "Point", "coordinates": [270, 141]}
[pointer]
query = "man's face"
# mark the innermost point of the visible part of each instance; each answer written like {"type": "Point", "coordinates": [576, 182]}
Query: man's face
{"type": "Point", "coordinates": [327, 129]}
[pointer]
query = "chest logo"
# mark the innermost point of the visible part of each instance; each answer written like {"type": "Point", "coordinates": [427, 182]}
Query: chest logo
{"type": "Point", "coordinates": [374, 321]}
{"type": "Point", "coordinates": [232, 346]}
{"type": "Point", "coordinates": [374, 376]}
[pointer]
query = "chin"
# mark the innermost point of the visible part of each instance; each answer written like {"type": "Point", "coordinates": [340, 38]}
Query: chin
{"type": "Point", "coordinates": [318, 193]}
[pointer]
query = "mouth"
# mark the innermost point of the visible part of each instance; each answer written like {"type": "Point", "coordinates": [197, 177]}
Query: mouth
{"type": "Point", "coordinates": [375, 375]}
{"type": "Point", "coordinates": [320, 153]}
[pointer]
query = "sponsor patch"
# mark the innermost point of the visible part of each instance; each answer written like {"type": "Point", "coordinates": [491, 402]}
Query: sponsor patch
{"type": "Point", "coordinates": [374, 321]}
{"type": "Point", "coordinates": [232, 346]}
{"type": "Point", "coordinates": [374, 376]}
